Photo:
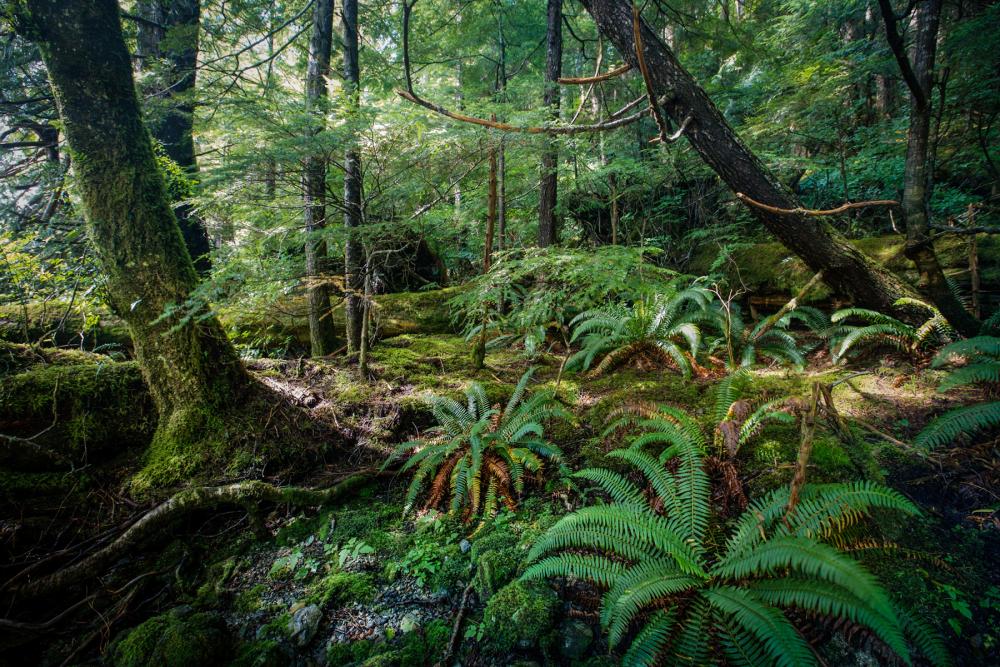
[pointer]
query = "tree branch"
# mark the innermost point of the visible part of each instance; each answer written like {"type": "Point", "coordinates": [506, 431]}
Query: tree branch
{"type": "Point", "coordinates": [899, 51]}
{"type": "Point", "coordinates": [584, 80]}
{"type": "Point", "coordinates": [640, 56]}
{"type": "Point", "coordinates": [814, 212]}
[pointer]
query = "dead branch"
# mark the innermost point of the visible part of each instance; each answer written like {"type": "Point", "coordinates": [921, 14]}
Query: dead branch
{"type": "Point", "coordinates": [675, 136]}
{"type": "Point", "coordinates": [792, 304]}
{"type": "Point", "coordinates": [597, 78]}
{"type": "Point", "coordinates": [456, 626]}
{"type": "Point", "coordinates": [249, 494]}
{"type": "Point", "coordinates": [814, 212]}
{"type": "Point", "coordinates": [640, 56]}
{"type": "Point", "coordinates": [507, 127]}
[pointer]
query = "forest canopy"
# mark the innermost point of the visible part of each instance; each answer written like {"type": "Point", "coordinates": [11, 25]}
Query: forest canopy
{"type": "Point", "coordinates": [493, 332]}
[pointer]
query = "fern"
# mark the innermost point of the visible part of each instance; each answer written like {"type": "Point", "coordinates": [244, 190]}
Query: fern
{"type": "Point", "coordinates": [743, 346]}
{"type": "Point", "coordinates": [678, 596]}
{"type": "Point", "coordinates": [881, 330]}
{"type": "Point", "coordinates": [477, 453]}
{"type": "Point", "coordinates": [981, 357]}
{"type": "Point", "coordinates": [655, 332]}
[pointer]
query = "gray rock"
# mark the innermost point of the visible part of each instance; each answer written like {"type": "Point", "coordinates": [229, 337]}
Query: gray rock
{"type": "Point", "coordinates": [303, 625]}
{"type": "Point", "coordinates": [464, 545]}
{"type": "Point", "coordinates": [575, 638]}
{"type": "Point", "coordinates": [409, 623]}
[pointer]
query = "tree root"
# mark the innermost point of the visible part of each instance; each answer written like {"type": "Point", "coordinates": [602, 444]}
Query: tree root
{"type": "Point", "coordinates": [248, 494]}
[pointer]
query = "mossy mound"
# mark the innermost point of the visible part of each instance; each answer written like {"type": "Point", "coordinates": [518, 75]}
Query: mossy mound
{"type": "Point", "coordinates": [520, 616]}
{"type": "Point", "coordinates": [19, 357]}
{"type": "Point", "coordinates": [771, 269]}
{"type": "Point", "coordinates": [178, 638]}
{"type": "Point", "coordinates": [83, 411]}
{"type": "Point", "coordinates": [283, 329]}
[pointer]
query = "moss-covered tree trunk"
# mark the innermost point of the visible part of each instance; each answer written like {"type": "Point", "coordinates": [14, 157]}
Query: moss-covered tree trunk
{"type": "Point", "coordinates": [322, 335]}
{"type": "Point", "coordinates": [845, 268]}
{"type": "Point", "coordinates": [354, 254]}
{"type": "Point", "coordinates": [192, 370]}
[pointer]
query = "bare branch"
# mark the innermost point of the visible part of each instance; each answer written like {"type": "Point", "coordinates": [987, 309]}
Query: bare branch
{"type": "Point", "coordinates": [584, 80]}
{"type": "Point", "coordinates": [814, 212]}
{"type": "Point", "coordinates": [640, 56]}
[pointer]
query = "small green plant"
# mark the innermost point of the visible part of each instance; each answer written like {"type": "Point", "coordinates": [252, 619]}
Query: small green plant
{"type": "Point", "coordinates": [652, 333]}
{"type": "Point", "coordinates": [285, 566]}
{"type": "Point", "coordinates": [880, 330]}
{"type": "Point", "coordinates": [741, 346]}
{"type": "Point", "coordinates": [979, 364]}
{"type": "Point", "coordinates": [353, 550]}
{"type": "Point", "coordinates": [663, 565]}
{"type": "Point", "coordinates": [478, 454]}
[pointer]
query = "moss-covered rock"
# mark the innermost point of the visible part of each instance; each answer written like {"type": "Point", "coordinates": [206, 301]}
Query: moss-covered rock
{"type": "Point", "coordinates": [178, 638]}
{"type": "Point", "coordinates": [83, 411]}
{"type": "Point", "coordinates": [521, 615]}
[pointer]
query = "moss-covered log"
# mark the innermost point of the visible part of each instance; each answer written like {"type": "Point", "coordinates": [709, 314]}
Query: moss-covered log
{"type": "Point", "coordinates": [192, 371]}
{"type": "Point", "coordinates": [82, 412]}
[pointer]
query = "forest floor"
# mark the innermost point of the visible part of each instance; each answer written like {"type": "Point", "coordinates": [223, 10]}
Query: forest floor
{"type": "Point", "coordinates": [361, 583]}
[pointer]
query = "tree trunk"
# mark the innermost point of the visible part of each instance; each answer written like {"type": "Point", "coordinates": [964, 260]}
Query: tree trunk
{"type": "Point", "coordinates": [168, 39]}
{"type": "Point", "coordinates": [845, 268]}
{"type": "Point", "coordinates": [479, 354]}
{"type": "Point", "coordinates": [548, 234]}
{"type": "Point", "coordinates": [917, 176]}
{"type": "Point", "coordinates": [322, 336]}
{"type": "Point", "coordinates": [193, 372]}
{"type": "Point", "coordinates": [354, 253]}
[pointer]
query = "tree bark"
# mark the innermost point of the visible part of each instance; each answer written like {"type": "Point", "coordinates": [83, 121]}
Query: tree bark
{"type": "Point", "coordinates": [917, 175]}
{"type": "Point", "coordinates": [845, 268]}
{"type": "Point", "coordinates": [354, 254]}
{"type": "Point", "coordinates": [322, 336]}
{"type": "Point", "coordinates": [168, 39]}
{"type": "Point", "coordinates": [193, 372]}
{"type": "Point", "coordinates": [548, 234]}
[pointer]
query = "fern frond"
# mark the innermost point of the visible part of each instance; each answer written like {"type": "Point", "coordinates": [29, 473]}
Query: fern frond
{"type": "Point", "coordinates": [589, 567]}
{"type": "Point", "coordinates": [785, 645]}
{"type": "Point", "coordinates": [966, 420]}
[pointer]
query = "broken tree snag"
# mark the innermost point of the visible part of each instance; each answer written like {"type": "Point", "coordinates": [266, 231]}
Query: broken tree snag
{"type": "Point", "coordinates": [597, 78]}
{"type": "Point", "coordinates": [847, 270]}
{"type": "Point", "coordinates": [815, 212]}
{"type": "Point", "coordinates": [249, 495]}
{"type": "Point", "coordinates": [675, 136]}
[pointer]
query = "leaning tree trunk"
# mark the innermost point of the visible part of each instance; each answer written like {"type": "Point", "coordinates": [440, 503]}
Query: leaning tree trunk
{"type": "Point", "coordinates": [548, 190]}
{"type": "Point", "coordinates": [919, 246]}
{"type": "Point", "coordinates": [844, 267]}
{"type": "Point", "coordinates": [167, 41]}
{"type": "Point", "coordinates": [192, 370]}
{"type": "Point", "coordinates": [354, 254]}
{"type": "Point", "coordinates": [322, 335]}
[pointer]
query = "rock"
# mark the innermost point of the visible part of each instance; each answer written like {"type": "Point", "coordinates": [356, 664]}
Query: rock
{"type": "Point", "coordinates": [575, 638]}
{"type": "Point", "coordinates": [409, 623]}
{"type": "Point", "coordinates": [465, 545]}
{"type": "Point", "coordinates": [304, 623]}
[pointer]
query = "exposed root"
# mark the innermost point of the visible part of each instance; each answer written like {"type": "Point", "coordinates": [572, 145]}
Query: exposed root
{"type": "Point", "coordinates": [249, 494]}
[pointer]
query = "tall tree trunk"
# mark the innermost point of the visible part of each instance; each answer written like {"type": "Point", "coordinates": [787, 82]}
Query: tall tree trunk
{"type": "Point", "coordinates": [548, 234]}
{"type": "Point", "coordinates": [168, 40]}
{"type": "Point", "coordinates": [322, 336]}
{"type": "Point", "coordinates": [479, 353]}
{"type": "Point", "coordinates": [845, 268]}
{"type": "Point", "coordinates": [192, 371]}
{"type": "Point", "coordinates": [354, 253]}
{"type": "Point", "coordinates": [917, 173]}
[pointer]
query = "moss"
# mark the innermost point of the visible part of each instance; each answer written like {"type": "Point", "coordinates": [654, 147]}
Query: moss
{"type": "Point", "coordinates": [98, 327]}
{"type": "Point", "coordinates": [419, 646]}
{"type": "Point", "coordinates": [263, 653]}
{"type": "Point", "coordinates": [520, 615]}
{"type": "Point", "coordinates": [91, 409]}
{"type": "Point", "coordinates": [175, 639]}
{"type": "Point", "coordinates": [284, 327]}
{"type": "Point", "coordinates": [757, 263]}
{"type": "Point", "coordinates": [349, 653]}
{"type": "Point", "coordinates": [16, 486]}
{"type": "Point", "coordinates": [251, 599]}
{"type": "Point", "coordinates": [497, 558]}
{"type": "Point", "coordinates": [339, 589]}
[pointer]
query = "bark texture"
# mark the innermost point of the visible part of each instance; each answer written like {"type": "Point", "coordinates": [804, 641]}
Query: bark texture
{"type": "Point", "coordinates": [354, 253]}
{"type": "Point", "coordinates": [845, 268]}
{"type": "Point", "coordinates": [548, 234]}
{"type": "Point", "coordinates": [322, 335]}
{"type": "Point", "coordinates": [916, 176]}
{"type": "Point", "coordinates": [192, 370]}
{"type": "Point", "coordinates": [167, 43]}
